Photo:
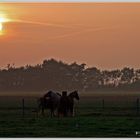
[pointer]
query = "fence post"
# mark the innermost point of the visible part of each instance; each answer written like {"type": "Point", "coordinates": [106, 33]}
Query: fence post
{"type": "Point", "coordinates": [38, 109]}
{"type": "Point", "coordinates": [137, 106]}
{"type": "Point", "coordinates": [23, 108]}
{"type": "Point", "coordinates": [103, 104]}
{"type": "Point", "coordinates": [103, 107]}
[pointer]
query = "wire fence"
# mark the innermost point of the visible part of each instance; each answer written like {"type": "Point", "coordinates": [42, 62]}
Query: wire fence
{"type": "Point", "coordinates": [26, 107]}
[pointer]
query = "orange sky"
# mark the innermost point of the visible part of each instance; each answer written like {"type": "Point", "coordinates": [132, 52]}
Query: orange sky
{"type": "Point", "coordinates": [105, 35]}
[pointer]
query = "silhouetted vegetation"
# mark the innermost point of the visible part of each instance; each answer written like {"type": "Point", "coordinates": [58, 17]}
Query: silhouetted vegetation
{"type": "Point", "coordinates": [57, 75]}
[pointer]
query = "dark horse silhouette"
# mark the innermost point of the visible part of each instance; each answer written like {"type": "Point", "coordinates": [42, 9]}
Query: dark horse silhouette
{"type": "Point", "coordinates": [71, 97]}
{"type": "Point", "coordinates": [67, 107]}
{"type": "Point", "coordinates": [49, 101]}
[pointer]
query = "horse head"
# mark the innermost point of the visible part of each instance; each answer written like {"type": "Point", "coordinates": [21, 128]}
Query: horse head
{"type": "Point", "coordinates": [75, 95]}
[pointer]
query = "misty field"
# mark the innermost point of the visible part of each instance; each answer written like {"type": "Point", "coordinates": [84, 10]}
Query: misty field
{"type": "Point", "coordinates": [97, 115]}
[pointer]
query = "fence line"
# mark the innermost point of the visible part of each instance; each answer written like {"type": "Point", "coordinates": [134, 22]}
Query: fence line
{"type": "Point", "coordinates": [103, 108]}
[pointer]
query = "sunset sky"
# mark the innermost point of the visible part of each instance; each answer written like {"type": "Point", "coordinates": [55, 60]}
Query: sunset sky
{"type": "Point", "coordinates": [105, 35]}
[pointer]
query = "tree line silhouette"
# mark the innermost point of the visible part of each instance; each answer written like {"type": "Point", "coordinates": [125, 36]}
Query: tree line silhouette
{"type": "Point", "coordinates": [57, 75]}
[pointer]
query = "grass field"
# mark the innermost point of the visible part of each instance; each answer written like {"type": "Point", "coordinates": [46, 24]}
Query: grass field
{"type": "Point", "coordinates": [97, 115]}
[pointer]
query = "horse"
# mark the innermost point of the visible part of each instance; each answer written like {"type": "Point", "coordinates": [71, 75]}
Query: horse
{"type": "Point", "coordinates": [73, 95]}
{"type": "Point", "coordinates": [66, 106]}
{"type": "Point", "coordinates": [49, 101]}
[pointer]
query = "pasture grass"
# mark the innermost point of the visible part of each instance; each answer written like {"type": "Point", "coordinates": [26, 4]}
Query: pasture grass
{"type": "Point", "coordinates": [89, 126]}
{"type": "Point", "coordinates": [117, 118]}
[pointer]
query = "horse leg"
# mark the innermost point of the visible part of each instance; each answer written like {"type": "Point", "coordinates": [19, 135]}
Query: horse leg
{"type": "Point", "coordinates": [52, 112]}
{"type": "Point", "coordinates": [64, 114]}
{"type": "Point", "coordinates": [71, 111]}
{"type": "Point", "coordinates": [59, 113]}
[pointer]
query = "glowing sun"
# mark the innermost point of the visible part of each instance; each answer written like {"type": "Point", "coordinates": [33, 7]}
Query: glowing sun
{"type": "Point", "coordinates": [2, 21]}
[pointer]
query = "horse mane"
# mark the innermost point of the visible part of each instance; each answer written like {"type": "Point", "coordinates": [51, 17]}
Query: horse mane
{"type": "Point", "coordinates": [58, 93]}
{"type": "Point", "coordinates": [71, 93]}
